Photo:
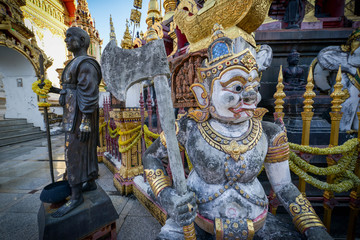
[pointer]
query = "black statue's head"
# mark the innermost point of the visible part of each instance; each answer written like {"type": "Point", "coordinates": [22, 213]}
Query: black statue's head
{"type": "Point", "coordinates": [76, 39]}
{"type": "Point", "coordinates": [294, 57]}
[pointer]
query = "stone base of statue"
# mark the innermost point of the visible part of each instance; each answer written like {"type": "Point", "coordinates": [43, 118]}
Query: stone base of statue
{"type": "Point", "coordinates": [93, 219]}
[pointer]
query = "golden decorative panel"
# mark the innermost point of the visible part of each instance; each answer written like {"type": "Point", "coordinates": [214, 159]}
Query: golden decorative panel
{"type": "Point", "coordinates": [238, 17]}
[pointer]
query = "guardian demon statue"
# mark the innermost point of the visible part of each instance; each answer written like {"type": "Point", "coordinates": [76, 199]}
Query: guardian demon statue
{"type": "Point", "coordinates": [228, 144]}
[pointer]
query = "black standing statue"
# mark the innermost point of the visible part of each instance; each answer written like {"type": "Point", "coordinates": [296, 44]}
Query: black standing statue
{"type": "Point", "coordinates": [294, 79]}
{"type": "Point", "coordinates": [293, 14]}
{"type": "Point", "coordinates": [79, 98]}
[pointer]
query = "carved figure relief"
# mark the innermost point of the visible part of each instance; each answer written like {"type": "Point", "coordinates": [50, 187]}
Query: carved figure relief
{"type": "Point", "coordinates": [184, 75]}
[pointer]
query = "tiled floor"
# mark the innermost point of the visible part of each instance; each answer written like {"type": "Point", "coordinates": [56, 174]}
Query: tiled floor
{"type": "Point", "coordinates": [25, 171]}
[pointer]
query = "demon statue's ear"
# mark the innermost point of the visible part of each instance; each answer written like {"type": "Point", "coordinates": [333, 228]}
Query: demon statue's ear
{"type": "Point", "coordinates": [264, 57]}
{"type": "Point", "coordinates": [201, 95]}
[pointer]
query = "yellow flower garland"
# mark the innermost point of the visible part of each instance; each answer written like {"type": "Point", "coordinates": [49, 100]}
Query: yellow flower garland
{"type": "Point", "coordinates": [343, 170]}
{"type": "Point", "coordinates": [122, 143]}
{"type": "Point", "coordinates": [42, 92]}
{"type": "Point", "coordinates": [347, 162]}
{"type": "Point", "coordinates": [122, 150]}
{"type": "Point", "coordinates": [130, 131]}
{"type": "Point", "coordinates": [346, 147]}
{"type": "Point", "coordinates": [349, 180]}
{"type": "Point", "coordinates": [149, 133]}
{"type": "Point", "coordinates": [101, 127]}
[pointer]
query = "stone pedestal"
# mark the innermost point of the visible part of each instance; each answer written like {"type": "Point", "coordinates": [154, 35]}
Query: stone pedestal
{"type": "Point", "coordinates": [93, 219]}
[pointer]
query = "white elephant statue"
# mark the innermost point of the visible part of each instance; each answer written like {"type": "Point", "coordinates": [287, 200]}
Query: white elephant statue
{"type": "Point", "coordinates": [348, 56]}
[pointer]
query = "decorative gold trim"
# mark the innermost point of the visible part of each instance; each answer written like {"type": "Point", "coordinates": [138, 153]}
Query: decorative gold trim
{"type": "Point", "coordinates": [219, 231]}
{"type": "Point", "coordinates": [189, 232]}
{"type": "Point", "coordinates": [157, 180]}
{"type": "Point", "coordinates": [251, 230]}
{"type": "Point", "coordinates": [278, 153]}
{"type": "Point", "coordinates": [229, 62]}
{"type": "Point", "coordinates": [280, 139]}
{"type": "Point", "coordinates": [304, 215]}
{"type": "Point", "coordinates": [259, 113]}
{"type": "Point", "coordinates": [230, 145]}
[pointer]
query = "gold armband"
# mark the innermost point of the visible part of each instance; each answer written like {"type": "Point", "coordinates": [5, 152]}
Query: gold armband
{"type": "Point", "coordinates": [304, 215]}
{"type": "Point", "coordinates": [157, 180]}
{"type": "Point", "coordinates": [278, 153]}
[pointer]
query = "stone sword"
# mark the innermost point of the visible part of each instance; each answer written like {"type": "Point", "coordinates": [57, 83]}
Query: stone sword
{"type": "Point", "coordinates": [122, 68]}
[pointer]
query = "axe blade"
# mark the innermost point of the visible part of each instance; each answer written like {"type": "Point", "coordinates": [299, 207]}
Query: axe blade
{"type": "Point", "coordinates": [122, 68]}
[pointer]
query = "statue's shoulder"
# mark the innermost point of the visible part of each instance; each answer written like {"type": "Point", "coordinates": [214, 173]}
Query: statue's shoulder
{"type": "Point", "coordinates": [275, 132]}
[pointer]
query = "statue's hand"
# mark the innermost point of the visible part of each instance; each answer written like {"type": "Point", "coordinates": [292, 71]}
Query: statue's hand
{"type": "Point", "coordinates": [85, 128]}
{"type": "Point", "coordinates": [315, 233]}
{"type": "Point", "coordinates": [62, 97]}
{"type": "Point", "coordinates": [180, 208]}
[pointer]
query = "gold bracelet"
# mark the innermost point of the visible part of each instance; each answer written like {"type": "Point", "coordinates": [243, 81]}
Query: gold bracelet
{"type": "Point", "coordinates": [157, 180]}
{"type": "Point", "coordinates": [304, 215]}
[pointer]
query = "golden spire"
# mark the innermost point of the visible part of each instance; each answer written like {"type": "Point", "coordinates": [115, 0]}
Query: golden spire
{"type": "Point", "coordinates": [337, 95]}
{"type": "Point", "coordinates": [112, 31]}
{"type": "Point", "coordinates": [151, 35]}
{"type": "Point", "coordinates": [279, 96]}
{"type": "Point", "coordinates": [153, 13]}
{"type": "Point", "coordinates": [126, 43]}
{"type": "Point", "coordinates": [169, 7]}
{"type": "Point", "coordinates": [309, 93]}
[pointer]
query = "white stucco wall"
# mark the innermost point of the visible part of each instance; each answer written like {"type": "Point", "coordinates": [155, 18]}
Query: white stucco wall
{"type": "Point", "coordinates": [54, 47]}
{"type": "Point", "coordinates": [21, 102]}
{"type": "Point", "coordinates": [133, 95]}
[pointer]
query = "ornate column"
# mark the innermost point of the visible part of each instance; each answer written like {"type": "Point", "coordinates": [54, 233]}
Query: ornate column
{"type": "Point", "coordinates": [128, 120]}
{"type": "Point", "coordinates": [307, 115]}
{"type": "Point", "coordinates": [336, 116]}
{"type": "Point", "coordinates": [279, 96]}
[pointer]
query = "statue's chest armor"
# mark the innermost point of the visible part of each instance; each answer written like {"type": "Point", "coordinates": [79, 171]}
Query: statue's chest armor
{"type": "Point", "coordinates": [219, 161]}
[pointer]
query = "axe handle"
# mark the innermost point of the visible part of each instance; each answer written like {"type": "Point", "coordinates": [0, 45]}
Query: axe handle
{"type": "Point", "coordinates": [167, 119]}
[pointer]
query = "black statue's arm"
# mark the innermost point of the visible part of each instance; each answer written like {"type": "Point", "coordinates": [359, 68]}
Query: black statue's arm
{"type": "Point", "coordinates": [55, 90]}
{"type": "Point", "coordinates": [87, 96]}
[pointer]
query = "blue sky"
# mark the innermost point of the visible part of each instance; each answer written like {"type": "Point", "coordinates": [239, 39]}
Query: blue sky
{"type": "Point", "coordinates": [120, 11]}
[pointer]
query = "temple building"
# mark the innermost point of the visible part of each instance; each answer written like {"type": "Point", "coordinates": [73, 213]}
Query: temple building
{"type": "Point", "coordinates": [30, 28]}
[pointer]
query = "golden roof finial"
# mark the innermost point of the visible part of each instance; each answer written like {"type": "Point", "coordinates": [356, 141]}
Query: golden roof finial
{"type": "Point", "coordinates": [126, 43]}
{"type": "Point", "coordinates": [279, 95]}
{"type": "Point", "coordinates": [153, 13]}
{"type": "Point", "coordinates": [309, 93]}
{"type": "Point", "coordinates": [337, 95]}
{"type": "Point", "coordinates": [169, 7]}
{"type": "Point", "coordinates": [151, 35]}
{"type": "Point", "coordinates": [112, 31]}
{"type": "Point", "coordinates": [217, 31]}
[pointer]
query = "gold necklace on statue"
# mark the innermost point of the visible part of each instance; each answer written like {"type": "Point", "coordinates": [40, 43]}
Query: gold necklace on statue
{"type": "Point", "coordinates": [232, 146]}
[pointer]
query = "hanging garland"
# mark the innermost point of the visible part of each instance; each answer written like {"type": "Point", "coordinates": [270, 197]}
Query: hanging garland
{"type": "Point", "coordinates": [346, 147]}
{"type": "Point", "coordinates": [42, 92]}
{"type": "Point", "coordinates": [136, 140]}
{"type": "Point", "coordinates": [101, 128]}
{"type": "Point", "coordinates": [347, 162]}
{"type": "Point", "coordinates": [148, 133]}
{"type": "Point", "coordinates": [349, 180]}
{"type": "Point", "coordinates": [123, 143]}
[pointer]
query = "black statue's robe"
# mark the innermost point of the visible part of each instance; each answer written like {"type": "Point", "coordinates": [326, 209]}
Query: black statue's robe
{"type": "Point", "coordinates": [80, 79]}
